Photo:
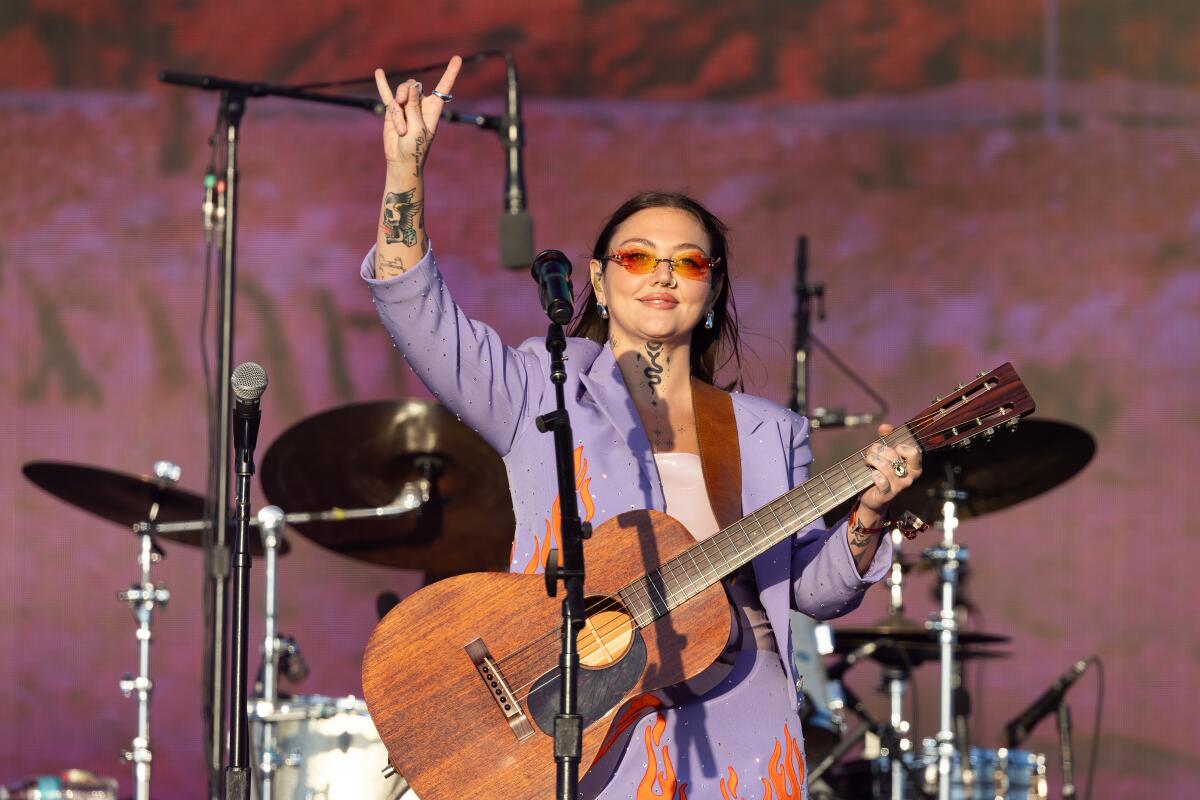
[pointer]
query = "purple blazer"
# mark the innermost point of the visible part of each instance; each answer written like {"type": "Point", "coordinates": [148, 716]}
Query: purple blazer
{"type": "Point", "coordinates": [499, 391]}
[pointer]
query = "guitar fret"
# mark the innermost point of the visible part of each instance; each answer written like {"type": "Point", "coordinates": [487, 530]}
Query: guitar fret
{"type": "Point", "coordinates": [665, 607]}
{"type": "Point", "coordinates": [631, 604]}
{"type": "Point", "coordinates": [798, 518]}
{"type": "Point", "coordinates": [816, 510]}
{"type": "Point", "coordinates": [832, 493]}
{"type": "Point", "coordinates": [703, 546]}
{"type": "Point", "coordinates": [849, 480]}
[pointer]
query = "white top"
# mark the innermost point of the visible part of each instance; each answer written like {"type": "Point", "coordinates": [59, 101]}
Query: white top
{"type": "Point", "coordinates": [684, 493]}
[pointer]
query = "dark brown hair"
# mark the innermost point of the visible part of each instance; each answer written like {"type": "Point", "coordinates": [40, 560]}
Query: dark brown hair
{"type": "Point", "coordinates": [712, 349]}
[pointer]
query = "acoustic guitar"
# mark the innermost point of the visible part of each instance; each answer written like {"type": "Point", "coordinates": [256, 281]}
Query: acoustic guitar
{"type": "Point", "coordinates": [461, 678]}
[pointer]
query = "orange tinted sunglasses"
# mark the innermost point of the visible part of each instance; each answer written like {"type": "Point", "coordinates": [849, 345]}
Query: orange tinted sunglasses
{"type": "Point", "coordinates": [691, 264]}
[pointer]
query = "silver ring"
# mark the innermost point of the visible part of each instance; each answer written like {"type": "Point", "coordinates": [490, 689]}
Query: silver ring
{"type": "Point", "coordinates": [445, 97]}
{"type": "Point", "coordinates": [899, 468]}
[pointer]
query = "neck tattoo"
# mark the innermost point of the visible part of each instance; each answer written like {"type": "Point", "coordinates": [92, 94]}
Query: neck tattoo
{"type": "Point", "coordinates": [653, 371]}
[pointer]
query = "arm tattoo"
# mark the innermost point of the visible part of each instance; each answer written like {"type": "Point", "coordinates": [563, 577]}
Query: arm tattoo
{"type": "Point", "coordinates": [861, 550]}
{"type": "Point", "coordinates": [654, 370]}
{"type": "Point", "coordinates": [389, 266]}
{"type": "Point", "coordinates": [399, 217]}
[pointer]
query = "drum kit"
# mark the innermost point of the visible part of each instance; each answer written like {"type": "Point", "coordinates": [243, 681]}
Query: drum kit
{"type": "Point", "coordinates": [956, 485]}
{"type": "Point", "coordinates": [401, 484]}
{"type": "Point", "coordinates": [405, 484]}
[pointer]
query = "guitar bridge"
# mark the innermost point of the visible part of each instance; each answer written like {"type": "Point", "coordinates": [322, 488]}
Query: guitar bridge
{"type": "Point", "coordinates": [497, 687]}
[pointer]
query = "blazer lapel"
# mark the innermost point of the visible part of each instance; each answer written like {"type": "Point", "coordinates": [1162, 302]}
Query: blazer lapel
{"type": "Point", "coordinates": [604, 383]}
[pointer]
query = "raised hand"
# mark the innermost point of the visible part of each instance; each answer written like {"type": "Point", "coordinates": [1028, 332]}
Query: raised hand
{"type": "Point", "coordinates": [411, 121]}
{"type": "Point", "coordinates": [412, 118]}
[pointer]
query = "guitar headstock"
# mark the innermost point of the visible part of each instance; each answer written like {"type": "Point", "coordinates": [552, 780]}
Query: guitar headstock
{"type": "Point", "coordinates": [993, 400]}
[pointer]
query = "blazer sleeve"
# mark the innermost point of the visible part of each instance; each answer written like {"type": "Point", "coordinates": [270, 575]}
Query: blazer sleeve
{"type": "Point", "coordinates": [493, 388]}
{"type": "Point", "coordinates": [825, 579]}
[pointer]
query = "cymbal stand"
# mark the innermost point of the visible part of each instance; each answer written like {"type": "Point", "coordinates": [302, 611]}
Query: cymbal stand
{"type": "Point", "coordinates": [270, 522]}
{"type": "Point", "coordinates": [949, 557]}
{"type": "Point", "coordinates": [896, 678]}
{"type": "Point", "coordinates": [142, 598]}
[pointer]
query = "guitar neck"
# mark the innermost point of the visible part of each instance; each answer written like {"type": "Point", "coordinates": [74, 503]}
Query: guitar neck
{"type": "Point", "coordinates": [706, 562]}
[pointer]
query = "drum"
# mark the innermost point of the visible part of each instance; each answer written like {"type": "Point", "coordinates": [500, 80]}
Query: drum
{"type": "Point", "coordinates": [1001, 774]}
{"type": "Point", "coordinates": [326, 748]}
{"type": "Point", "coordinates": [73, 784]}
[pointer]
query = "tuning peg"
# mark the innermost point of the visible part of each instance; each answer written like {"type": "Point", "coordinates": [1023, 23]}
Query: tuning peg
{"type": "Point", "coordinates": [937, 399]}
{"type": "Point", "coordinates": [962, 386]}
{"type": "Point", "coordinates": [981, 374]}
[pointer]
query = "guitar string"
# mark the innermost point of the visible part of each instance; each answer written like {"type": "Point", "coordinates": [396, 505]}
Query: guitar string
{"type": "Point", "coordinates": [916, 425]}
{"type": "Point", "coordinates": [619, 627]}
{"type": "Point", "coordinates": [668, 568]}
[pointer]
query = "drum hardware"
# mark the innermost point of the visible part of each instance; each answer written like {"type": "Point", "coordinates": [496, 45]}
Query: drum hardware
{"type": "Point", "coordinates": [947, 556]}
{"type": "Point", "coordinates": [142, 598]}
{"type": "Point", "coordinates": [270, 519]}
{"type": "Point", "coordinates": [71, 784]}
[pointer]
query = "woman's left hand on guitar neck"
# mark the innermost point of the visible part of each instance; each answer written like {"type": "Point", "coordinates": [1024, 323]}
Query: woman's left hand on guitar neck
{"type": "Point", "coordinates": [893, 470]}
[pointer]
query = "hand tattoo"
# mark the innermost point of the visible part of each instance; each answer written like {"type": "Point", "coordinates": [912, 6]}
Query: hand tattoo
{"type": "Point", "coordinates": [399, 217]}
{"type": "Point", "coordinates": [419, 156]}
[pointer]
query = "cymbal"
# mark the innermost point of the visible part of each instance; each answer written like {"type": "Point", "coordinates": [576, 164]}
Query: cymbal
{"type": "Point", "coordinates": [906, 642]}
{"type": "Point", "coordinates": [127, 499]}
{"type": "Point", "coordinates": [909, 656]}
{"type": "Point", "coordinates": [1014, 466]}
{"type": "Point", "coordinates": [364, 455]}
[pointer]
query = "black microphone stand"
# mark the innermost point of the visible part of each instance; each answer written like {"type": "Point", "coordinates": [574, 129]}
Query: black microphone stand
{"type": "Point", "coordinates": [805, 294]}
{"type": "Point", "coordinates": [568, 725]}
{"type": "Point", "coordinates": [237, 773]}
{"type": "Point", "coordinates": [234, 95]}
{"type": "Point", "coordinates": [1066, 751]}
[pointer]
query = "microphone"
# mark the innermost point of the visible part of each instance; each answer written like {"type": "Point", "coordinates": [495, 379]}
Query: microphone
{"type": "Point", "coordinates": [552, 271]}
{"type": "Point", "coordinates": [249, 381]}
{"type": "Point", "coordinates": [1020, 726]}
{"type": "Point", "coordinates": [838, 418]}
{"type": "Point", "coordinates": [516, 226]}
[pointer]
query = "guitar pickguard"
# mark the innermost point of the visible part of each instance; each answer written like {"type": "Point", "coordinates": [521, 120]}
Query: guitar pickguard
{"type": "Point", "coordinates": [600, 690]}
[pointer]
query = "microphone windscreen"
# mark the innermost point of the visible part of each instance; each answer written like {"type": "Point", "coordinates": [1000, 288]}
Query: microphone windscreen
{"type": "Point", "coordinates": [249, 381]}
{"type": "Point", "coordinates": [516, 240]}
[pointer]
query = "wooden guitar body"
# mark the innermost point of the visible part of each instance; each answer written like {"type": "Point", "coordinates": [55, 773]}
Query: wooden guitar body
{"type": "Point", "coordinates": [433, 700]}
{"type": "Point", "coordinates": [461, 678]}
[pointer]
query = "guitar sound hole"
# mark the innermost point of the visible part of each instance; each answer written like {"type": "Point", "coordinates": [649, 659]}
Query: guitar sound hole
{"type": "Point", "coordinates": [607, 633]}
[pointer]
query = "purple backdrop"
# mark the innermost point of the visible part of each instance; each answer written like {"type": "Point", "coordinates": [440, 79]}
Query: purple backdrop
{"type": "Point", "coordinates": [952, 231]}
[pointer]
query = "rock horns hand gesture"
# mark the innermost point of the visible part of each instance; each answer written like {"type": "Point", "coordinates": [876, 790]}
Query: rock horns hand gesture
{"type": "Point", "coordinates": [412, 118]}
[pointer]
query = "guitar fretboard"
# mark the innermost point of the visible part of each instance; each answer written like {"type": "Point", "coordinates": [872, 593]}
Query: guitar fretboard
{"type": "Point", "coordinates": [704, 563]}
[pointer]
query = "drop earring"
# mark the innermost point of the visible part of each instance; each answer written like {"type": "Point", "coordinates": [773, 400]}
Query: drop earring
{"type": "Point", "coordinates": [708, 320]}
{"type": "Point", "coordinates": [602, 310]}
